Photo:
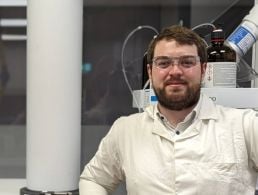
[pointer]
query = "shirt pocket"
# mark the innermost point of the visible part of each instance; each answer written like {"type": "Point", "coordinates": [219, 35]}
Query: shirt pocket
{"type": "Point", "coordinates": [219, 179]}
{"type": "Point", "coordinates": [224, 171]}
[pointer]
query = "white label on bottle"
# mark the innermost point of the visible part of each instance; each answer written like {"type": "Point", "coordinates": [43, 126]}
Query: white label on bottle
{"type": "Point", "coordinates": [220, 74]}
{"type": "Point", "coordinates": [243, 37]}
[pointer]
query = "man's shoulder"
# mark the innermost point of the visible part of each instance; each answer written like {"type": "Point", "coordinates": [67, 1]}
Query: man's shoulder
{"type": "Point", "coordinates": [136, 122]}
{"type": "Point", "coordinates": [237, 115]}
{"type": "Point", "coordinates": [133, 118]}
{"type": "Point", "coordinates": [210, 109]}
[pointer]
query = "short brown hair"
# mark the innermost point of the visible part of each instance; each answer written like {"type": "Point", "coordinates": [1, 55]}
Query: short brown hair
{"type": "Point", "coordinates": [181, 35]}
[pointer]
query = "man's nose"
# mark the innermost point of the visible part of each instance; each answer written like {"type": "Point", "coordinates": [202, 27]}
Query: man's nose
{"type": "Point", "coordinates": [175, 68]}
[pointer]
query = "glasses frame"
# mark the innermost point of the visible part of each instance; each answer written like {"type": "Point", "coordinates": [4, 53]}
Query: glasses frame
{"type": "Point", "coordinates": [179, 62]}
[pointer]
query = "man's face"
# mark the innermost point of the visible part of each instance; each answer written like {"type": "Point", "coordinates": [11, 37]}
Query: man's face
{"type": "Point", "coordinates": [177, 87]}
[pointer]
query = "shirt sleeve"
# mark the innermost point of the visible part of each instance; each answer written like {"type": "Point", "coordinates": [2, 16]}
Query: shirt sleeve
{"type": "Point", "coordinates": [103, 173]}
{"type": "Point", "coordinates": [251, 136]}
{"type": "Point", "coordinates": [88, 187]}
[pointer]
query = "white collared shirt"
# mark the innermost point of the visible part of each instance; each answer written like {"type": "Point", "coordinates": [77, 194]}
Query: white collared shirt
{"type": "Point", "coordinates": [216, 155]}
{"type": "Point", "coordinates": [182, 126]}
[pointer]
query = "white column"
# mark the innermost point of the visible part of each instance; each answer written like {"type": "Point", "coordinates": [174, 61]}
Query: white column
{"type": "Point", "coordinates": [54, 55]}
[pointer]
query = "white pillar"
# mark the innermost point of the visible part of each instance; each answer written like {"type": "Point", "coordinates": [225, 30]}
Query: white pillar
{"type": "Point", "coordinates": [54, 55]}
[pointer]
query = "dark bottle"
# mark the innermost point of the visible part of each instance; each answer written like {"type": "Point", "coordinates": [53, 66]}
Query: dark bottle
{"type": "Point", "coordinates": [222, 64]}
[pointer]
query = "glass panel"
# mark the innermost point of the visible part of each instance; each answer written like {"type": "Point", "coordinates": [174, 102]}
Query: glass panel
{"type": "Point", "coordinates": [12, 91]}
{"type": "Point", "coordinates": [106, 94]}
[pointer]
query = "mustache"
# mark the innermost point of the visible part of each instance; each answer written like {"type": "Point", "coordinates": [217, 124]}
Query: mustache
{"type": "Point", "coordinates": [175, 81]}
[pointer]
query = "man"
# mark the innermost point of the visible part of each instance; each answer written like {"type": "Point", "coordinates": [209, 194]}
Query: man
{"type": "Point", "coordinates": [185, 144]}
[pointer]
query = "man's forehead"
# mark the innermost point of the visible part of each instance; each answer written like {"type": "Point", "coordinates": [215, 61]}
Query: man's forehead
{"type": "Point", "coordinates": [174, 46]}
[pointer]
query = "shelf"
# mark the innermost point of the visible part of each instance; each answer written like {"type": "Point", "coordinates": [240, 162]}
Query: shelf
{"type": "Point", "coordinates": [232, 97]}
{"type": "Point", "coordinates": [13, 3]}
{"type": "Point", "coordinates": [13, 22]}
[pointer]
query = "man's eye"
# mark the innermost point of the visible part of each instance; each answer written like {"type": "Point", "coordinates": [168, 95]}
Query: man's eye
{"type": "Point", "coordinates": [163, 63]}
{"type": "Point", "coordinates": [187, 62]}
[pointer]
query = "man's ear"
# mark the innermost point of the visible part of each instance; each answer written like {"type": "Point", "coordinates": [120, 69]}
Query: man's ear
{"type": "Point", "coordinates": [203, 69]}
{"type": "Point", "coordinates": [149, 69]}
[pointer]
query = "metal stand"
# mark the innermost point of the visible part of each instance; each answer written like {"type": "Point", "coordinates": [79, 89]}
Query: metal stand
{"type": "Point", "coordinates": [26, 191]}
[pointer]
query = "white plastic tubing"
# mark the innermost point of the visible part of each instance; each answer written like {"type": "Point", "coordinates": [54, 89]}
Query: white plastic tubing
{"type": "Point", "coordinates": [54, 54]}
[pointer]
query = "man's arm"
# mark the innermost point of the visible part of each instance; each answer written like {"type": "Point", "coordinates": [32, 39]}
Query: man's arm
{"type": "Point", "coordinates": [251, 136]}
{"type": "Point", "coordinates": [103, 173]}
{"type": "Point", "coordinates": [89, 188]}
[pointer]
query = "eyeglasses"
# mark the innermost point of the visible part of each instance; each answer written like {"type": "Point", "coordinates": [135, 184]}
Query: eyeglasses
{"type": "Point", "coordinates": [183, 62]}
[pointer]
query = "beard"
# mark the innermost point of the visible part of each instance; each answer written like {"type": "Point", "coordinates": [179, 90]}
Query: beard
{"type": "Point", "coordinates": [178, 101]}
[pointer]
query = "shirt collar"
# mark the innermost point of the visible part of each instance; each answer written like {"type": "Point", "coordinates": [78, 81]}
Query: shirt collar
{"type": "Point", "coordinates": [205, 109]}
{"type": "Point", "coordinates": [192, 115]}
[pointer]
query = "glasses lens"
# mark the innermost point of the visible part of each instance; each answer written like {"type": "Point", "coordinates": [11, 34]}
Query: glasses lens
{"type": "Point", "coordinates": [187, 61]}
{"type": "Point", "coordinates": [162, 62]}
